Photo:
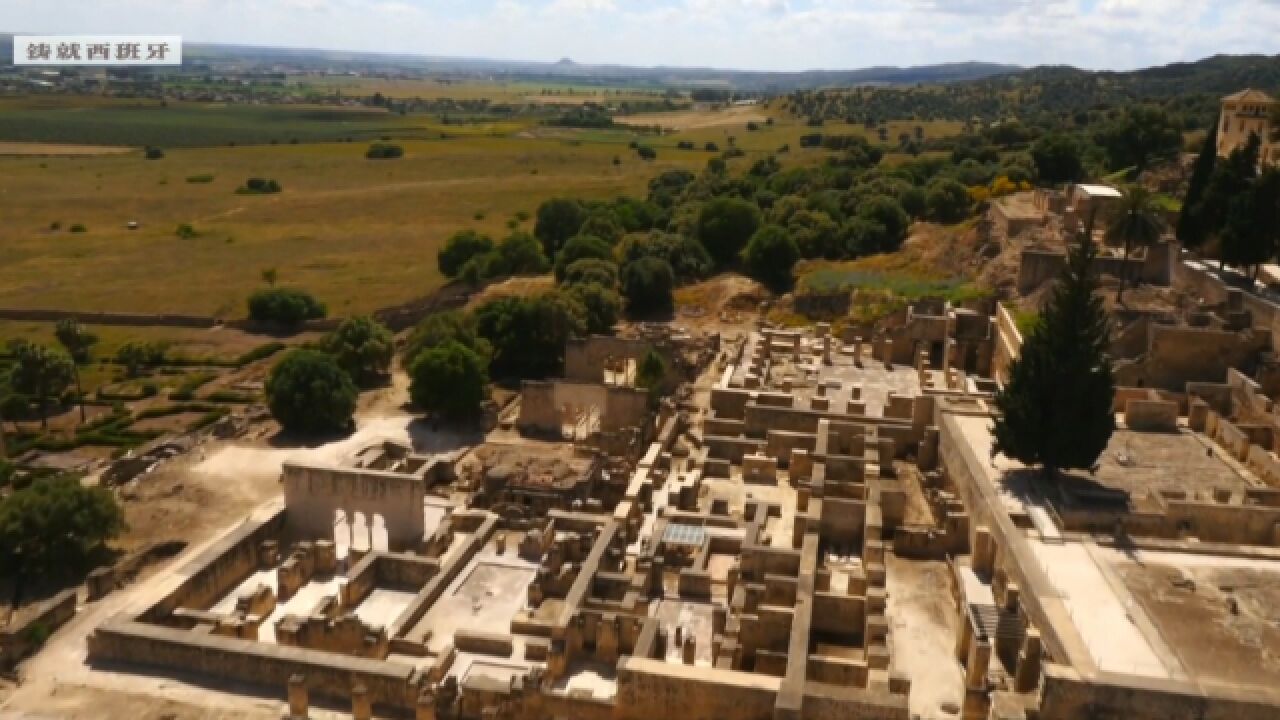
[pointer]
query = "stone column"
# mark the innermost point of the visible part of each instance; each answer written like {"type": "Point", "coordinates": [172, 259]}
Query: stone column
{"type": "Point", "coordinates": [983, 551]}
{"type": "Point", "coordinates": [857, 351]}
{"type": "Point", "coordinates": [361, 704]}
{"type": "Point", "coordinates": [976, 667]}
{"type": "Point", "coordinates": [886, 353]}
{"type": "Point", "coordinates": [426, 707]}
{"type": "Point", "coordinates": [690, 649]}
{"type": "Point", "coordinates": [1027, 675]}
{"type": "Point", "coordinates": [299, 702]}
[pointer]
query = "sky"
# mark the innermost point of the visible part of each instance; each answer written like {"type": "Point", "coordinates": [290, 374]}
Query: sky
{"type": "Point", "coordinates": [783, 35]}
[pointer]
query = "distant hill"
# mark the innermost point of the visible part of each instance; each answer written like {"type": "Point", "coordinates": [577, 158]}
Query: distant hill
{"type": "Point", "coordinates": [1054, 95]}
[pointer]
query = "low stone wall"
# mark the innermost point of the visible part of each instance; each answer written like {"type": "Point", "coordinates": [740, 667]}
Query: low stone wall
{"type": "Point", "coordinates": [18, 641]}
{"type": "Point", "coordinates": [109, 318]}
{"type": "Point", "coordinates": [327, 674]}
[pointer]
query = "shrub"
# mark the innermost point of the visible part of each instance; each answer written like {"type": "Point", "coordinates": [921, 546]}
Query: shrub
{"type": "Point", "coordinates": [154, 153]}
{"type": "Point", "coordinates": [284, 308]}
{"type": "Point", "coordinates": [384, 151]}
{"type": "Point", "coordinates": [646, 153]}
{"type": "Point", "coordinates": [259, 186]}
{"type": "Point", "coordinates": [78, 228]}
{"type": "Point", "coordinates": [259, 353]}
{"type": "Point", "coordinates": [308, 393]}
{"type": "Point", "coordinates": [201, 178]}
{"type": "Point", "coordinates": [186, 231]}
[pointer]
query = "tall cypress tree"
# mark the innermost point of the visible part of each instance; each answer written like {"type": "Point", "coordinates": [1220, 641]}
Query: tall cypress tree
{"type": "Point", "coordinates": [1191, 226]}
{"type": "Point", "coordinates": [1056, 410]}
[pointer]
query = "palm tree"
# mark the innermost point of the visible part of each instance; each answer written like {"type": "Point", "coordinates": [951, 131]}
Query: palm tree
{"type": "Point", "coordinates": [1135, 220]}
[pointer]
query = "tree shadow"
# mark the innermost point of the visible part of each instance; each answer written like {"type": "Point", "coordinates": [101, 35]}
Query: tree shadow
{"type": "Point", "coordinates": [287, 439]}
{"type": "Point", "coordinates": [431, 436]}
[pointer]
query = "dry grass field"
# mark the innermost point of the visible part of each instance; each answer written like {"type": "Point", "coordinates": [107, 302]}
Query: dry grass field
{"type": "Point", "coordinates": [361, 234]}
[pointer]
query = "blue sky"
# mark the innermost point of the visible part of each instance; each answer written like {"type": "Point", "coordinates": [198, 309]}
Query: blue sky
{"type": "Point", "coordinates": [746, 34]}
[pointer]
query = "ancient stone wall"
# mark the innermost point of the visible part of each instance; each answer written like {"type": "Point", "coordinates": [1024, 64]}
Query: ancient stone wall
{"type": "Point", "coordinates": [313, 496]}
{"type": "Point", "coordinates": [1068, 696]}
{"type": "Point", "coordinates": [20, 639]}
{"type": "Point", "coordinates": [650, 689]}
{"type": "Point", "coordinates": [262, 664]}
{"type": "Point", "coordinates": [585, 358]}
{"type": "Point", "coordinates": [219, 568]}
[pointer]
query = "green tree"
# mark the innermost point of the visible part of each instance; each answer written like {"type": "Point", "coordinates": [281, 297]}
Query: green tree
{"type": "Point", "coordinates": [1253, 221]}
{"type": "Point", "coordinates": [459, 248]}
{"type": "Point", "coordinates": [558, 219]}
{"type": "Point", "coordinates": [1141, 134]}
{"type": "Point", "coordinates": [1191, 228]}
{"type": "Point", "coordinates": [76, 341]}
{"type": "Point", "coordinates": [651, 374]}
{"type": "Point", "coordinates": [592, 270]}
{"type": "Point", "coordinates": [688, 259]}
{"type": "Point", "coordinates": [947, 201]}
{"type": "Point", "coordinates": [528, 335]}
{"type": "Point", "coordinates": [604, 225]}
{"type": "Point", "coordinates": [1135, 220]}
{"type": "Point", "coordinates": [725, 224]}
{"type": "Point", "coordinates": [40, 373]}
{"type": "Point", "coordinates": [1231, 180]}
{"type": "Point", "coordinates": [362, 347]}
{"type": "Point", "coordinates": [886, 211]}
{"type": "Point", "coordinates": [648, 285]}
{"type": "Point", "coordinates": [1056, 409]}
{"type": "Point", "coordinates": [770, 255]}
{"type": "Point", "coordinates": [601, 303]}
{"type": "Point", "coordinates": [520, 254]}
{"type": "Point", "coordinates": [439, 328]}
{"type": "Point", "coordinates": [863, 236]}
{"type": "Point", "coordinates": [1058, 158]}
{"type": "Point", "coordinates": [134, 356]}
{"type": "Point", "coordinates": [284, 308]}
{"type": "Point", "coordinates": [309, 393]}
{"type": "Point", "coordinates": [54, 524]}
{"type": "Point", "coordinates": [580, 247]}
{"type": "Point", "coordinates": [449, 380]}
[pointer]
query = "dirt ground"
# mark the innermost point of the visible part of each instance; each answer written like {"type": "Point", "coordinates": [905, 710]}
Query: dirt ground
{"type": "Point", "coordinates": [924, 632]}
{"type": "Point", "coordinates": [1193, 608]}
{"type": "Point", "coordinates": [695, 119]}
